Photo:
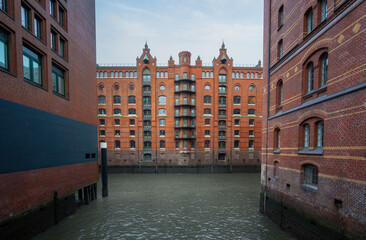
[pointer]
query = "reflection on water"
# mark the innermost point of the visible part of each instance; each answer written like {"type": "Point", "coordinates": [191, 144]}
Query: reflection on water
{"type": "Point", "coordinates": [172, 206]}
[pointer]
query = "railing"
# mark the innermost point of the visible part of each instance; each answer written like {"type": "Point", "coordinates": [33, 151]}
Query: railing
{"type": "Point", "coordinates": [222, 105]}
{"type": "Point", "coordinates": [222, 148]}
{"type": "Point", "coordinates": [222, 137]}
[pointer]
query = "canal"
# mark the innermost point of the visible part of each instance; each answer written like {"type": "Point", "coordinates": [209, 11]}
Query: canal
{"type": "Point", "coordinates": [172, 206]}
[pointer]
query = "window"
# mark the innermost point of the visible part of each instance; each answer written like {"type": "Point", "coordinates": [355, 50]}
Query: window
{"type": "Point", "coordinates": [251, 111]}
{"type": "Point", "coordinates": [222, 113]}
{"type": "Point", "coordinates": [251, 144]}
{"type": "Point", "coordinates": [132, 87]}
{"type": "Point", "coordinates": [132, 122]}
{"type": "Point", "coordinates": [248, 75]}
{"type": "Point", "coordinates": [222, 146]}
{"type": "Point", "coordinates": [207, 87]}
{"type": "Point", "coordinates": [53, 8]}
{"type": "Point", "coordinates": [101, 122]}
{"type": "Point", "coordinates": [222, 157]}
{"type": "Point", "coordinates": [241, 75]}
{"type": "Point", "coordinates": [323, 10]}
{"type": "Point", "coordinates": [162, 144]}
{"type": "Point", "coordinates": [207, 144]}
{"type": "Point", "coordinates": [132, 144]}
{"type": "Point", "coordinates": [147, 156]}
{"type": "Point", "coordinates": [324, 69]}
{"type": "Point", "coordinates": [117, 144]}
{"type": "Point", "coordinates": [116, 87]}
{"type": "Point", "coordinates": [162, 133]}
{"type": "Point", "coordinates": [37, 27]}
{"type": "Point", "coordinates": [4, 50]}
{"type": "Point", "coordinates": [193, 144]}
{"type": "Point", "coordinates": [236, 144]}
{"type": "Point", "coordinates": [222, 123]}
{"type": "Point", "coordinates": [222, 134]}
{"type": "Point", "coordinates": [32, 66]}
{"type": "Point", "coordinates": [222, 101]}
{"type": "Point", "coordinates": [53, 41]}
{"type": "Point", "coordinates": [279, 93]}
{"type": "Point", "coordinates": [236, 133]}
{"type": "Point", "coordinates": [237, 75]}
{"type": "Point", "coordinates": [207, 99]}
{"type": "Point", "coordinates": [147, 146]}
{"type": "Point", "coordinates": [193, 88]}
{"type": "Point", "coordinates": [252, 75]}
{"type": "Point", "coordinates": [306, 136]}
{"type": "Point", "coordinates": [145, 89]}
{"type": "Point", "coordinates": [236, 112]}
{"type": "Point", "coordinates": [146, 123]}
{"type": "Point", "coordinates": [192, 77]}
{"type": "Point", "coordinates": [185, 76]}
{"type": "Point", "coordinates": [176, 77]}
{"type": "Point", "coordinates": [112, 74]}
{"type": "Point", "coordinates": [147, 113]}
{"type": "Point", "coordinates": [162, 100]}
{"type": "Point", "coordinates": [147, 134]}
{"type": "Point", "coordinates": [162, 122]}
{"type": "Point", "coordinates": [3, 5]}
{"type": "Point", "coordinates": [101, 111]}
{"type": "Point", "coordinates": [58, 80]}
{"type": "Point", "coordinates": [131, 100]}
{"type": "Point", "coordinates": [207, 111]}
{"type": "Point", "coordinates": [117, 133]}
{"type": "Point", "coordinates": [251, 100]}
{"type": "Point", "coordinates": [185, 100]}
{"type": "Point", "coordinates": [207, 122]}
{"type": "Point", "coordinates": [176, 88]}
{"type": "Point", "coordinates": [127, 74]}
{"type": "Point", "coordinates": [116, 99]}
{"type": "Point", "coordinates": [101, 99]}
{"type": "Point", "coordinates": [131, 111]}
{"type": "Point", "coordinates": [275, 170]}
{"type": "Point", "coordinates": [310, 175]}
{"type": "Point", "coordinates": [320, 134]}
{"type": "Point", "coordinates": [277, 139]}
{"type": "Point", "coordinates": [280, 49]}
{"type": "Point", "coordinates": [117, 111]}
{"type": "Point", "coordinates": [177, 123]}
{"type": "Point", "coordinates": [116, 122]}
{"type": "Point", "coordinates": [237, 122]}
{"type": "Point", "coordinates": [177, 144]}
{"type": "Point", "coordinates": [62, 47]}
{"type": "Point", "coordinates": [25, 17]}
{"type": "Point", "coordinates": [251, 133]}
{"type": "Point", "coordinates": [310, 77]}
{"type": "Point", "coordinates": [193, 101]}
{"type": "Point", "coordinates": [207, 133]}
{"type": "Point", "coordinates": [280, 17]}
{"type": "Point", "coordinates": [256, 75]}
{"type": "Point", "coordinates": [102, 133]}
{"type": "Point", "coordinates": [222, 78]}
{"type": "Point", "coordinates": [309, 21]}
{"type": "Point", "coordinates": [132, 133]}
{"type": "Point", "coordinates": [146, 76]}
{"type": "Point", "coordinates": [236, 88]}
{"type": "Point", "coordinates": [162, 87]}
{"type": "Point", "coordinates": [222, 89]}
{"type": "Point", "coordinates": [193, 122]}
{"type": "Point", "coordinates": [251, 122]}
{"type": "Point", "coordinates": [162, 111]}
{"type": "Point", "coordinates": [61, 16]}
{"type": "Point", "coordinates": [146, 101]}
{"type": "Point", "coordinates": [251, 88]}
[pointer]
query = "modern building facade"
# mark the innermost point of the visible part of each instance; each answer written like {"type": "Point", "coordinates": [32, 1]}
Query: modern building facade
{"type": "Point", "coordinates": [314, 118]}
{"type": "Point", "coordinates": [180, 114]}
{"type": "Point", "coordinates": [48, 144]}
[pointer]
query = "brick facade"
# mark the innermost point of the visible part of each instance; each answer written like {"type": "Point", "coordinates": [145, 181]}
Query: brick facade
{"type": "Point", "coordinates": [181, 88]}
{"type": "Point", "coordinates": [320, 116]}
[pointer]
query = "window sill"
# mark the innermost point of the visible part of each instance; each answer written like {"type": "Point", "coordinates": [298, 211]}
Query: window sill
{"type": "Point", "coordinates": [132, 136]}
{"type": "Point", "coordinates": [117, 115]}
{"type": "Point", "coordinates": [117, 136]}
{"type": "Point", "coordinates": [132, 149]}
{"type": "Point", "coordinates": [207, 149]}
{"type": "Point", "coordinates": [7, 71]}
{"type": "Point", "coordinates": [102, 136]}
{"type": "Point", "coordinates": [102, 115]}
{"type": "Point", "coordinates": [279, 28]}
{"type": "Point", "coordinates": [319, 90]}
{"type": "Point", "coordinates": [307, 151]}
{"type": "Point", "coordinates": [237, 136]}
{"type": "Point", "coordinates": [131, 115]}
{"type": "Point", "coordinates": [36, 84]}
{"type": "Point", "coordinates": [276, 151]}
{"type": "Point", "coordinates": [309, 188]}
{"type": "Point", "coordinates": [251, 149]}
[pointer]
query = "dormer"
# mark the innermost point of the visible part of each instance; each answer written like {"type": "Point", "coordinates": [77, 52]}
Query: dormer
{"type": "Point", "coordinates": [223, 58]}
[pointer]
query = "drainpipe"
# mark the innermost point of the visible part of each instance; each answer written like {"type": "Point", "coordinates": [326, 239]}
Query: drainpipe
{"type": "Point", "coordinates": [268, 91]}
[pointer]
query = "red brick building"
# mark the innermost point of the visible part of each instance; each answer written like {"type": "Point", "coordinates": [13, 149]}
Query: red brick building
{"type": "Point", "coordinates": [314, 118]}
{"type": "Point", "coordinates": [47, 90]}
{"type": "Point", "coordinates": [180, 114]}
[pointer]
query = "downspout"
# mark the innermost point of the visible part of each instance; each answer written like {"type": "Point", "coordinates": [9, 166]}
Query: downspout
{"type": "Point", "coordinates": [268, 98]}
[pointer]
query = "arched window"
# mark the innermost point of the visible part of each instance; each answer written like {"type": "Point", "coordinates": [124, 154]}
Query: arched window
{"type": "Point", "coordinates": [248, 75]}
{"type": "Point", "coordinates": [162, 122]}
{"type": "Point", "coordinates": [222, 78]}
{"type": "Point", "coordinates": [222, 101]}
{"type": "Point", "coordinates": [127, 74]}
{"type": "Point", "coordinates": [211, 74]}
{"type": "Point", "coordinates": [207, 99]}
{"type": "Point", "coordinates": [112, 74]}
{"type": "Point", "coordinates": [203, 74]}
{"type": "Point", "coordinates": [117, 144]}
{"type": "Point", "coordinates": [236, 99]}
{"type": "Point", "coordinates": [97, 74]}
{"type": "Point", "coordinates": [157, 75]}
{"type": "Point", "coordinates": [147, 134]}
{"type": "Point", "coordinates": [101, 111]}
{"type": "Point", "coordinates": [131, 111]}
{"type": "Point", "coordinates": [256, 75]}
{"type": "Point", "coordinates": [222, 145]}
{"type": "Point", "coordinates": [241, 75]}
{"type": "Point", "coordinates": [323, 10]}
{"type": "Point", "coordinates": [162, 111]}
{"type": "Point", "coordinates": [116, 87]}
{"type": "Point", "coordinates": [319, 134]}
{"type": "Point", "coordinates": [251, 100]}
{"type": "Point", "coordinates": [166, 74]}
{"type": "Point", "coordinates": [192, 76]}
{"type": "Point", "coordinates": [277, 139]}
{"type": "Point", "coordinates": [105, 74]}
{"type": "Point", "coordinates": [310, 76]}
{"type": "Point", "coordinates": [252, 75]}
{"type": "Point", "coordinates": [280, 49]}
{"type": "Point", "coordinates": [131, 100]}
{"type": "Point", "coordinates": [146, 113]}
{"type": "Point", "coordinates": [251, 88]}
{"type": "Point", "coordinates": [324, 70]}
{"type": "Point", "coordinates": [146, 101]}
{"type": "Point", "coordinates": [237, 75]}
{"type": "Point", "coordinates": [101, 99]}
{"type": "Point", "coordinates": [147, 146]}
{"type": "Point", "coordinates": [251, 144]}
{"type": "Point", "coordinates": [309, 21]}
{"type": "Point", "coordinates": [207, 111]}
{"type": "Point", "coordinates": [251, 111]}
{"type": "Point", "coordinates": [132, 144]}
{"type": "Point", "coordinates": [162, 144]}
{"type": "Point", "coordinates": [279, 93]}
{"type": "Point", "coordinates": [236, 144]}
{"type": "Point", "coordinates": [222, 123]}
{"type": "Point", "coordinates": [116, 99]}
{"type": "Point", "coordinates": [162, 100]}
{"type": "Point", "coordinates": [236, 112]}
{"type": "Point", "coordinates": [280, 17]}
{"type": "Point", "coordinates": [117, 111]}
{"type": "Point", "coordinates": [310, 175]}
{"type": "Point", "coordinates": [207, 144]}
{"type": "Point", "coordinates": [306, 136]}
{"type": "Point", "coordinates": [222, 113]}
{"type": "Point", "coordinates": [207, 87]}
{"type": "Point", "coordinates": [135, 74]}
{"type": "Point", "coordinates": [120, 74]}
{"type": "Point", "coordinates": [222, 89]}
{"type": "Point", "coordinates": [131, 74]}
{"type": "Point", "coordinates": [233, 75]}
{"type": "Point", "coordinates": [146, 76]}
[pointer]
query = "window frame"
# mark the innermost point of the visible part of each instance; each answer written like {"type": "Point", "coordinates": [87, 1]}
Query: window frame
{"type": "Point", "coordinates": [61, 75]}
{"type": "Point", "coordinates": [33, 57]}
{"type": "Point", "coordinates": [5, 41]}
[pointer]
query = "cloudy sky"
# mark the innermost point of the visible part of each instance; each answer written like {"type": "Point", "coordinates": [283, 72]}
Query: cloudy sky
{"type": "Point", "coordinates": [171, 26]}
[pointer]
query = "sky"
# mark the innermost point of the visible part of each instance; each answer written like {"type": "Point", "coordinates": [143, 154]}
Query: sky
{"type": "Point", "coordinates": [172, 26]}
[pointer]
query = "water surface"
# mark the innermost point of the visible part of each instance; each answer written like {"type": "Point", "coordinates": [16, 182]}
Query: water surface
{"type": "Point", "coordinates": [172, 206]}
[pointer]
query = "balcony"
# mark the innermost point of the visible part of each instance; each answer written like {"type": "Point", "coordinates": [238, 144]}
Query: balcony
{"type": "Point", "coordinates": [222, 115]}
{"type": "Point", "coordinates": [222, 137]}
{"type": "Point", "coordinates": [185, 126]}
{"type": "Point", "coordinates": [185, 115]}
{"type": "Point", "coordinates": [222, 126]}
{"type": "Point", "coordinates": [146, 82]}
{"type": "Point", "coordinates": [184, 80]}
{"type": "Point", "coordinates": [185, 91]}
{"type": "Point", "coordinates": [222, 149]}
{"type": "Point", "coordinates": [184, 137]}
{"type": "Point", "coordinates": [146, 117]}
{"type": "Point", "coordinates": [184, 104]}
{"type": "Point", "coordinates": [222, 105]}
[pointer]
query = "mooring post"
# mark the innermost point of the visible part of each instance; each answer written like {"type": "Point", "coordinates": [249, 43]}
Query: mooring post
{"type": "Point", "coordinates": [103, 148]}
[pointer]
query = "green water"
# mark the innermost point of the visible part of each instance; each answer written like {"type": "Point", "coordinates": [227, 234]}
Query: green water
{"type": "Point", "coordinates": [172, 206]}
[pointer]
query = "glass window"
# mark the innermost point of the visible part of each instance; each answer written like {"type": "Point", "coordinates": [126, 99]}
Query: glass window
{"type": "Point", "coordinates": [222, 101]}
{"type": "Point", "coordinates": [132, 111]}
{"type": "Point", "coordinates": [280, 49]}
{"type": "Point", "coordinates": [162, 100]}
{"type": "Point", "coordinates": [117, 111]}
{"type": "Point", "coordinates": [236, 144]}
{"type": "Point", "coordinates": [162, 133]}
{"type": "Point", "coordinates": [132, 122]}
{"type": "Point", "coordinates": [207, 132]}
{"type": "Point", "coordinates": [222, 89]}
{"type": "Point", "coordinates": [207, 122]}
{"type": "Point", "coordinates": [62, 48]}
{"type": "Point", "coordinates": [132, 87]}
{"type": "Point", "coordinates": [101, 122]}
{"type": "Point", "coordinates": [236, 133]}
{"type": "Point", "coordinates": [236, 88]}
{"type": "Point", "coordinates": [320, 133]}
{"type": "Point", "coordinates": [116, 99]}
{"type": "Point", "coordinates": [117, 144]}
{"type": "Point", "coordinates": [162, 111]}
{"type": "Point", "coordinates": [177, 123]}
{"type": "Point", "coordinates": [176, 77]}
{"type": "Point", "coordinates": [280, 16]}
{"type": "Point", "coordinates": [236, 99]}
{"type": "Point", "coordinates": [251, 100]}
{"type": "Point", "coordinates": [101, 111]}
{"type": "Point", "coordinates": [162, 87]}
{"type": "Point", "coordinates": [207, 144]}
{"type": "Point", "coordinates": [251, 122]}
{"type": "Point", "coordinates": [4, 50]}
{"type": "Point", "coordinates": [324, 76]}
{"type": "Point", "coordinates": [102, 132]}
{"type": "Point", "coordinates": [241, 75]}
{"type": "Point", "coordinates": [207, 99]}
{"type": "Point", "coordinates": [222, 78]}
{"type": "Point", "coordinates": [256, 75]}
{"type": "Point", "coordinates": [310, 174]}
{"type": "Point", "coordinates": [52, 8]}
{"type": "Point", "coordinates": [251, 144]}
{"type": "Point", "coordinates": [310, 77]}
{"type": "Point", "coordinates": [237, 111]}
{"type": "Point", "coordinates": [147, 123]}
{"type": "Point", "coordinates": [162, 144]}
{"type": "Point", "coordinates": [203, 74]}
{"type": "Point", "coordinates": [251, 133]}
{"type": "Point", "coordinates": [101, 99]}
{"type": "Point", "coordinates": [117, 133]}
{"type": "Point", "coordinates": [251, 88]}
{"type": "Point", "coordinates": [248, 75]}
{"type": "Point", "coordinates": [101, 88]}
{"type": "Point", "coordinates": [61, 13]}
{"type": "Point", "coordinates": [53, 40]}
{"type": "Point", "coordinates": [162, 122]}
{"type": "Point", "coordinates": [58, 80]}
{"type": "Point", "coordinates": [32, 66]}
{"type": "Point", "coordinates": [222, 113]}
{"type": "Point", "coordinates": [185, 76]}
{"type": "Point", "coordinates": [147, 134]}
{"type": "Point", "coordinates": [132, 144]}
{"type": "Point", "coordinates": [278, 133]}
{"type": "Point", "coordinates": [116, 122]}
{"type": "Point", "coordinates": [252, 75]}
{"type": "Point", "coordinates": [37, 27]}
{"type": "Point", "coordinates": [132, 133]}
{"type": "Point", "coordinates": [25, 17]}
{"type": "Point", "coordinates": [309, 19]}
{"type": "Point", "coordinates": [251, 111]}
{"type": "Point", "coordinates": [324, 9]}
{"type": "Point", "coordinates": [237, 122]}
{"type": "Point", "coordinates": [306, 136]}
{"type": "Point", "coordinates": [207, 87]}
{"type": "Point", "coordinates": [207, 111]}
{"type": "Point", "coordinates": [131, 100]}
{"type": "Point", "coordinates": [237, 75]}
{"type": "Point", "coordinates": [192, 77]}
